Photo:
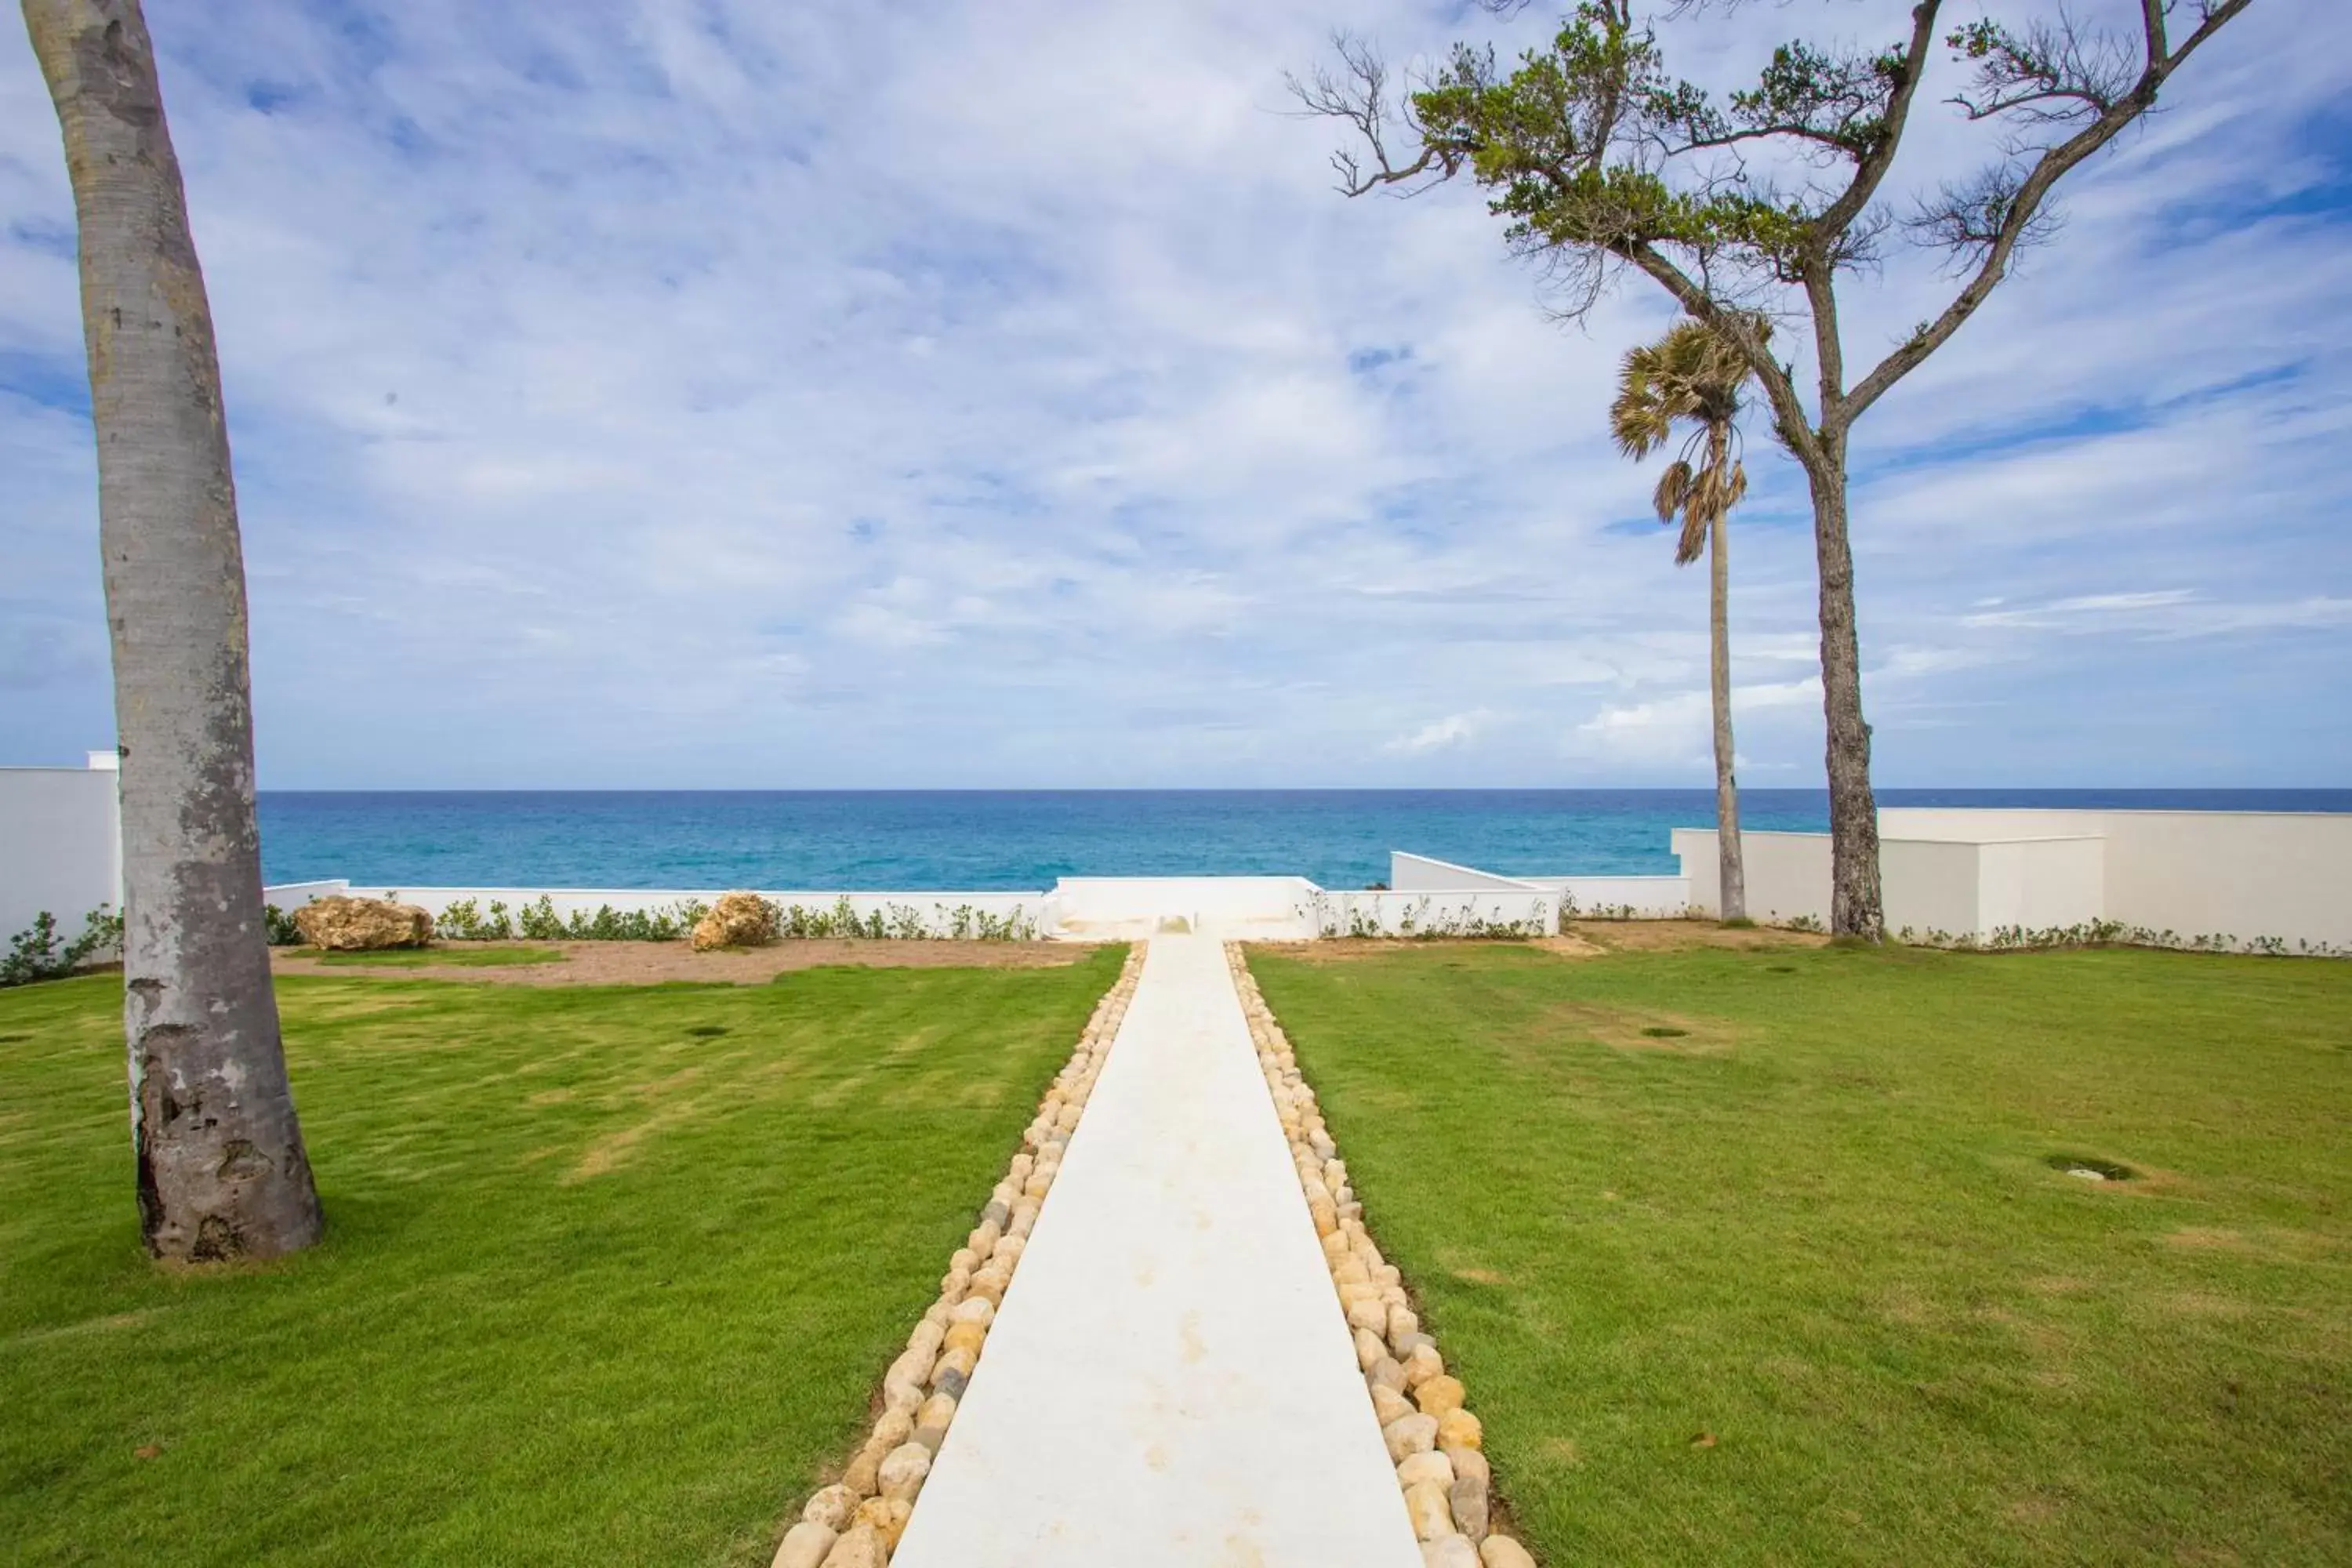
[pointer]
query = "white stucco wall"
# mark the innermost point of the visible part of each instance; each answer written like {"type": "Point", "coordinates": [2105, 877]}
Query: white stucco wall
{"type": "Point", "coordinates": [1443, 911]}
{"type": "Point", "coordinates": [2040, 884]}
{"type": "Point", "coordinates": [1635, 898]}
{"type": "Point", "coordinates": [2249, 877]}
{"type": "Point", "coordinates": [60, 845]}
{"type": "Point", "coordinates": [1423, 873]}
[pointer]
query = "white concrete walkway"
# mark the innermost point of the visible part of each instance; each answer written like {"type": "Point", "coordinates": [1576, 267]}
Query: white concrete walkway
{"type": "Point", "coordinates": [1171, 1381]}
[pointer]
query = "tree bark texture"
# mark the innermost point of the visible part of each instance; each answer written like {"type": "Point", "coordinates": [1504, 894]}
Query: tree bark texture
{"type": "Point", "coordinates": [1855, 908]}
{"type": "Point", "coordinates": [222, 1171]}
{"type": "Point", "coordinates": [1731, 865]}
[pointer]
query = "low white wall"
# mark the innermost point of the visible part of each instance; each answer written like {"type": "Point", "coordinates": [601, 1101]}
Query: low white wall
{"type": "Point", "coordinates": [1450, 912]}
{"type": "Point", "coordinates": [292, 896]}
{"type": "Point", "coordinates": [1268, 907]}
{"type": "Point", "coordinates": [937, 912]}
{"type": "Point", "coordinates": [60, 845]}
{"type": "Point", "coordinates": [1423, 873]}
{"type": "Point", "coordinates": [1627, 897]}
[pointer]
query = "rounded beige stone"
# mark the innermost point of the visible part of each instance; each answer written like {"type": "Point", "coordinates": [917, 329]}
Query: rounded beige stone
{"type": "Point", "coordinates": [1368, 1349]}
{"type": "Point", "coordinates": [901, 1473]}
{"type": "Point", "coordinates": [885, 1517]}
{"type": "Point", "coordinates": [1389, 1407]}
{"type": "Point", "coordinates": [1449, 1551]}
{"type": "Point", "coordinates": [1429, 1466]}
{"type": "Point", "coordinates": [831, 1507]}
{"type": "Point", "coordinates": [1422, 1364]}
{"type": "Point", "coordinates": [1427, 1506]}
{"type": "Point", "coordinates": [1502, 1551]}
{"type": "Point", "coordinates": [805, 1545]}
{"type": "Point", "coordinates": [1467, 1462]}
{"type": "Point", "coordinates": [967, 1336]}
{"type": "Point", "coordinates": [1408, 1435]}
{"type": "Point", "coordinates": [957, 1359]}
{"type": "Point", "coordinates": [1460, 1429]}
{"type": "Point", "coordinates": [860, 1477]}
{"type": "Point", "coordinates": [1439, 1396]}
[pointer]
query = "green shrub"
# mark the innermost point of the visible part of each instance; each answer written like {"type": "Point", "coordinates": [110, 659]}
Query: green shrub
{"type": "Point", "coordinates": [35, 953]}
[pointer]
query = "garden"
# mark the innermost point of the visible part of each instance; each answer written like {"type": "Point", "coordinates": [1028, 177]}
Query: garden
{"type": "Point", "coordinates": [609, 1271]}
{"type": "Point", "coordinates": [1759, 1249]}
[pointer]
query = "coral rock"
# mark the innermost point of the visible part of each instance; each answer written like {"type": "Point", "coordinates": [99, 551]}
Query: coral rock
{"type": "Point", "coordinates": [737, 920]}
{"type": "Point", "coordinates": [362, 925]}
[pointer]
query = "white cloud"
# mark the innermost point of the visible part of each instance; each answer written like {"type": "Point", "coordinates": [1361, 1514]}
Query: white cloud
{"type": "Point", "coordinates": [1441, 735]}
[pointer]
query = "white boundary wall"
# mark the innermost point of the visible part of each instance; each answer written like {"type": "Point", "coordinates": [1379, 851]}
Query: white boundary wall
{"type": "Point", "coordinates": [1636, 897]}
{"type": "Point", "coordinates": [937, 910]}
{"type": "Point", "coordinates": [60, 845]}
{"type": "Point", "coordinates": [2233, 877]}
{"type": "Point", "coordinates": [1435, 912]}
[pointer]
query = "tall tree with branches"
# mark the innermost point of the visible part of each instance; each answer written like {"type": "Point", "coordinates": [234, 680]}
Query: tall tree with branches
{"type": "Point", "coordinates": [1694, 376]}
{"type": "Point", "coordinates": [221, 1169]}
{"type": "Point", "coordinates": [1754, 204]}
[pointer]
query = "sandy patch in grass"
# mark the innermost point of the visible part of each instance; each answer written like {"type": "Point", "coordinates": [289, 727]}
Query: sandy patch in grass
{"type": "Point", "coordinates": [653, 963]}
{"type": "Point", "coordinates": [1676, 936]}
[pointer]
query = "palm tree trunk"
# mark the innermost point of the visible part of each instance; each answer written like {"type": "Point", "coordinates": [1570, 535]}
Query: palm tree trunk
{"type": "Point", "coordinates": [1855, 908]}
{"type": "Point", "coordinates": [1731, 870]}
{"type": "Point", "coordinates": [222, 1171]}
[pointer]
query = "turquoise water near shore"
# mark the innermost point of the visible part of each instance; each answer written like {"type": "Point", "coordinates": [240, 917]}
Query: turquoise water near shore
{"type": "Point", "coordinates": [1014, 840]}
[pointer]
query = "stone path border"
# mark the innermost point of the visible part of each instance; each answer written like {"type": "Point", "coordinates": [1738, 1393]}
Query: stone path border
{"type": "Point", "coordinates": [857, 1521]}
{"type": "Point", "coordinates": [1436, 1444]}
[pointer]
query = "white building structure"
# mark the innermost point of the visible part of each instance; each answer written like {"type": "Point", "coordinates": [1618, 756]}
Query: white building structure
{"type": "Point", "coordinates": [60, 844]}
{"type": "Point", "coordinates": [2240, 879]}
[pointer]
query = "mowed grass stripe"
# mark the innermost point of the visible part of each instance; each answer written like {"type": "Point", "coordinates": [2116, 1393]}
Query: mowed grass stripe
{"type": "Point", "coordinates": [610, 1277]}
{"type": "Point", "coordinates": [1800, 1283]}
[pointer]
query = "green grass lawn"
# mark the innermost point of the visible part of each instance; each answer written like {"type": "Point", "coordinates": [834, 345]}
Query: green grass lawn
{"type": "Point", "coordinates": [487, 955]}
{"type": "Point", "coordinates": [1801, 1203]}
{"type": "Point", "coordinates": [611, 1272]}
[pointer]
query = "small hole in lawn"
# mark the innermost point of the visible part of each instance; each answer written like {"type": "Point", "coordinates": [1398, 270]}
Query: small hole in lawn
{"type": "Point", "coordinates": [707, 1031]}
{"type": "Point", "coordinates": [1660, 1032]}
{"type": "Point", "coordinates": [1780, 969]}
{"type": "Point", "coordinates": [2088, 1168]}
{"type": "Point", "coordinates": [12, 1039]}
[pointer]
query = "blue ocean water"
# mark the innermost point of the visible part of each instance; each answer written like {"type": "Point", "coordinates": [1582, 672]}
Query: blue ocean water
{"type": "Point", "coordinates": [1014, 840]}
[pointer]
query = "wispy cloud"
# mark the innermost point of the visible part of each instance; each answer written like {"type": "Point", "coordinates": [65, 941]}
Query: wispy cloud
{"type": "Point", "coordinates": [1441, 735]}
{"type": "Point", "coordinates": [655, 391]}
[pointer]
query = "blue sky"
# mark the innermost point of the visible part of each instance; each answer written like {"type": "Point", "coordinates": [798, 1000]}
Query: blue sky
{"type": "Point", "coordinates": [995, 393]}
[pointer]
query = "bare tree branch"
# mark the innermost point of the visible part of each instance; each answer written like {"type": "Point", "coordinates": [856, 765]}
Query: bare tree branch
{"type": "Point", "coordinates": [1873, 169]}
{"type": "Point", "coordinates": [1361, 97]}
{"type": "Point", "coordinates": [2023, 207]}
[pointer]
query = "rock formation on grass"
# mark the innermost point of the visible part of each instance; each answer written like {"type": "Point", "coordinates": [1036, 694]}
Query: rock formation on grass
{"type": "Point", "coordinates": [353, 925]}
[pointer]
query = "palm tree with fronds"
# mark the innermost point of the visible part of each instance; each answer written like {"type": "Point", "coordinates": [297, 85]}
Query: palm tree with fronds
{"type": "Point", "coordinates": [1691, 379]}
